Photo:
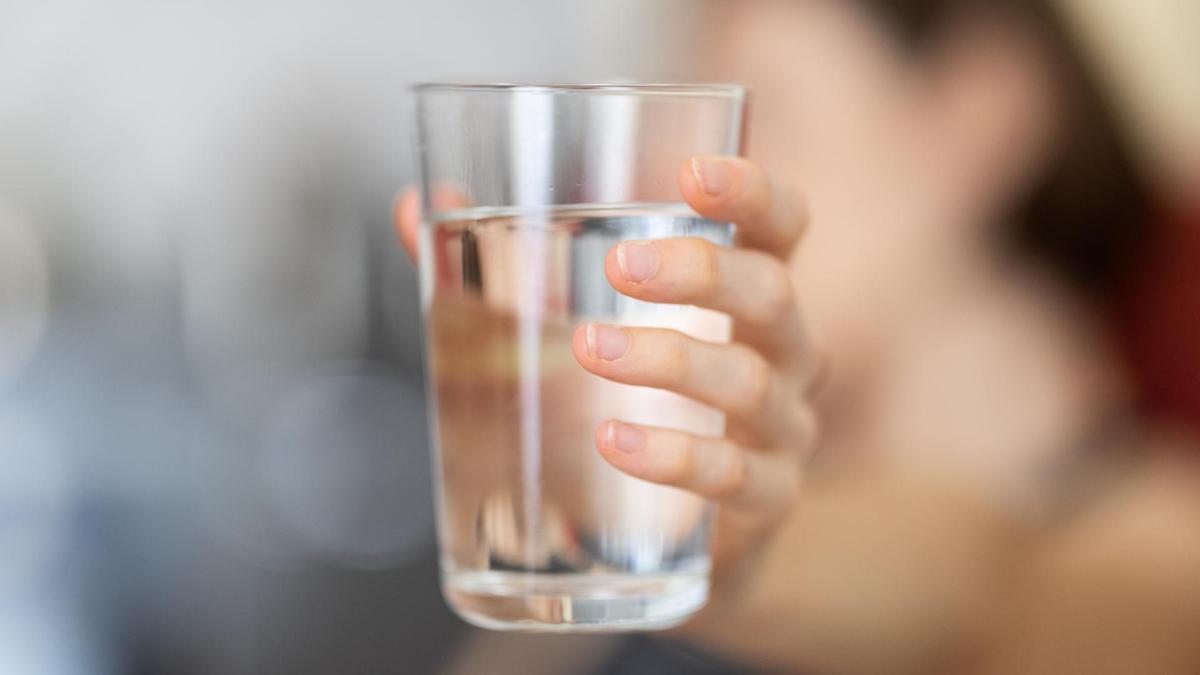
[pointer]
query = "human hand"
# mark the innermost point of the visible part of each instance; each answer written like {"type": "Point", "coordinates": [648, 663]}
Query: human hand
{"type": "Point", "coordinates": [761, 380]}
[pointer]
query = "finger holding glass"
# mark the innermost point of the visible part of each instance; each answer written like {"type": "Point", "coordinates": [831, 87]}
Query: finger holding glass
{"type": "Point", "coordinates": [755, 479]}
{"type": "Point", "coordinates": [561, 245]}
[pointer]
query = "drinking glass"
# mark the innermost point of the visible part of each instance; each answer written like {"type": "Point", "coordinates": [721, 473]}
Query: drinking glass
{"type": "Point", "coordinates": [525, 189]}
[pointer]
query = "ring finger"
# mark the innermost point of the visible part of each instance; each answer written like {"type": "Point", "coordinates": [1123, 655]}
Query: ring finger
{"type": "Point", "coordinates": [714, 468]}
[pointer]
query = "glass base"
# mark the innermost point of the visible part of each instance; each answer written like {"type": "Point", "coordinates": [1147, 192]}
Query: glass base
{"type": "Point", "coordinates": [519, 601]}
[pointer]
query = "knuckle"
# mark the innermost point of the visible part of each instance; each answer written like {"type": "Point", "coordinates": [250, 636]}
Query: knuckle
{"type": "Point", "coordinates": [802, 429]}
{"type": "Point", "coordinates": [779, 496]}
{"type": "Point", "coordinates": [682, 467]}
{"type": "Point", "coordinates": [755, 192]}
{"type": "Point", "coordinates": [663, 358]}
{"type": "Point", "coordinates": [707, 267]}
{"type": "Point", "coordinates": [732, 475]}
{"type": "Point", "coordinates": [778, 296]}
{"type": "Point", "coordinates": [673, 362]}
{"type": "Point", "coordinates": [758, 382]}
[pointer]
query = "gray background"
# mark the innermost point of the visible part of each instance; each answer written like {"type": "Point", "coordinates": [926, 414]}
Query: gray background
{"type": "Point", "coordinates": [211, 419]}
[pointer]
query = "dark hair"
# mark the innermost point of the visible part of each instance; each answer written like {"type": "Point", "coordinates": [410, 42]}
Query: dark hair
{"type": "Point", "coordinates": [1088, 215]}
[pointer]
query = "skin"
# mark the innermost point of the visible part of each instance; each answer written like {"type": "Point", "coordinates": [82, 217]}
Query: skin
{"type": "Point", "coordinates": [927, 537]}
{"type": "Point", "coordinates": [759, 381]}
{"type": "Point", "coordinates": [994, 596]}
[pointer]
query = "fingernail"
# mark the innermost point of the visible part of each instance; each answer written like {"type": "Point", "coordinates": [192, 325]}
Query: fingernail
{"type": "Point", "coordinates": [638, 260]}
{"type": "Point", "coordinates": [713, 175]}
{"type": "Point", "coordinates": [606, 342]}
{"type": "Point", "coordinates": [626, 438]}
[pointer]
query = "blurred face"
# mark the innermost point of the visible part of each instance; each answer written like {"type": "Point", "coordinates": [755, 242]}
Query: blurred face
{"type": "Point", "coordinates": [908, 164]}
{"type": "Point", "coordinates": [835, 111]}
{"type": "Point", "coordinates": [905, 163]}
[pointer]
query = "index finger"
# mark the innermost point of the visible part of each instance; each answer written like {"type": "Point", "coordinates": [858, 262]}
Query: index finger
{"type": "Point", "coordinates": [770, 215]}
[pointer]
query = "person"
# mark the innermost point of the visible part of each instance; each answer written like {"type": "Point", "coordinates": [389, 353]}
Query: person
{"type": "Point", "coordinates": [933, 221]}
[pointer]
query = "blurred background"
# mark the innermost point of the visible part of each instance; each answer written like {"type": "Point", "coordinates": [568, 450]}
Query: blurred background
{"type": "Point", "coordinates": [213, 452]}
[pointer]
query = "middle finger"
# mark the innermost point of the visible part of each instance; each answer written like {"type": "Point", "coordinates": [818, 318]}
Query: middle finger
{"type": "Point", "coordinates": [751, 286]}
{"type": "Point", "coordinates": [731, 377]}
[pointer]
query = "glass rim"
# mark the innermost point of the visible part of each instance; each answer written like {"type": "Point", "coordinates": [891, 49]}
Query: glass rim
{"type": "Point", "coordinates": [698, 90]}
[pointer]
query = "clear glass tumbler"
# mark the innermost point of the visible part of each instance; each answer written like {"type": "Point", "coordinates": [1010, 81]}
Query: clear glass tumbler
{"type": "Point", "coordinates": [525, 189]}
